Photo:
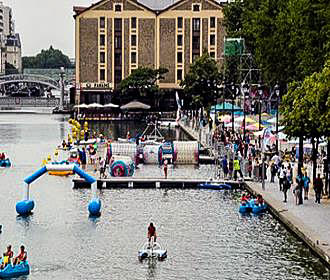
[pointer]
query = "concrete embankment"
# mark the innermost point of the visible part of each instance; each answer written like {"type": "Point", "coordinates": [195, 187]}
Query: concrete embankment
{"type": "Point", "coordinates": [309, 230]}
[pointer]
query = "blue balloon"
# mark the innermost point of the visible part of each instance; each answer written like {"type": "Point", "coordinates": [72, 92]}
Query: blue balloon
{"type": "Point", "coordinates": [94, 207]}
{"type": "Point", "coordinates": [24, 207]}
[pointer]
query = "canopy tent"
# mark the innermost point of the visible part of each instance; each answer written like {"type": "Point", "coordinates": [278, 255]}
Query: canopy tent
{"type": "Point", "coordinates": [225, 106]}
{"type": "Point", "coordinates": [81, 106]}
{"type": "Point", "coordinates": [94, 105]}
{"type": "Point", "coordinates": [135, 105]}
{"type": "Point", "coordinates": [110, 105]}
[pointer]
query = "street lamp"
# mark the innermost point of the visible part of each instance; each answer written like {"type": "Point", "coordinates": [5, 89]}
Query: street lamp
{"type": "Point", "coordinates": [232, 93]}
{"type": "Point", "coordinates": [277, 92]}
{"type": "Point", "coordinates": [245, 91]}
{"type": "Point", "coordinates": [62, 88]}
{"type": "Point", "coordinates": [260, 93]}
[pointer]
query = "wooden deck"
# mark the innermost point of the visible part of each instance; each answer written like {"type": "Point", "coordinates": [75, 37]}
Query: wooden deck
{"type": "Point", "coordinates": [136, 183]}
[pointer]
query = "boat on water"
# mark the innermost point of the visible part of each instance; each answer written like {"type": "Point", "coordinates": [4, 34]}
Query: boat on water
{"type": "Point", "coordinates": [5, 163]}
{"type": "Point", "coordinates": [214, 186]}
{"type": "Point", "coordinates": [251, 206]}
{"type": "Point", "coordinates": [18, 270]}
{"type": "Point", "coordinates": [152, 250]}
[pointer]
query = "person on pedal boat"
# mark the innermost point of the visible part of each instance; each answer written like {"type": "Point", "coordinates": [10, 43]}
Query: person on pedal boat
{"type": "Point", "coordinates": [152, 232]}
{"type": "Point", "coordinates": [7, 256]}
{"type": "Point", "coordinates": [22, 256]}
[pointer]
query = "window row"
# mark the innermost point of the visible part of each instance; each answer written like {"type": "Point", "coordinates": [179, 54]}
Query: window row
{"type": "Point", "coordinates": [196, 23]}
{"type": "Point", "coordinates": [118, 41]}
{"type": "Point", "coordinates": [118, 58]}
{"type": "Point", "coordinates": [118, 23]}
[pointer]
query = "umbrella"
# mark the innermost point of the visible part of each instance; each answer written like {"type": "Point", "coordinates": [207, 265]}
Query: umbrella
{"type": "Point", "coordinates": [265, 114]}
{"type": "Point", "coordinates": [247, 120]}
{"type": "Point", "coordinates": [272, 120]}
{"type": "Point", "coordinates": [135, 105]}
{"type": "Point", "coordinates": [81, 106]}
{"type": "Point", "coordinates": [226, 119]}
{"type": "Point", "coordinates": [94, 105]}
{"type": "Point", "coordinates": [253, 127]}
{"type": "Point", "coordinates": [110, 105]}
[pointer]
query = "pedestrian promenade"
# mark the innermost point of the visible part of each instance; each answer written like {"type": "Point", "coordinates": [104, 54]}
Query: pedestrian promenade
{"type": "Point", "coordinates": [310, 221]}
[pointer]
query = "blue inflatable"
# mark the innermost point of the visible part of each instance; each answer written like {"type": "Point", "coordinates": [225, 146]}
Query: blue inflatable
{"type": "Point", "coordinates": [214, 186]}
{"type": "Point", "coordinates": [250, 206]}
{"type": "Point", "coordinates": [5, 163]}
{"type": "Point", "coordinates": [94, 207]}
{"type": "Point", "coordinates": [24, 207]}
{"type": "Point", "coordinates": [15, 271]}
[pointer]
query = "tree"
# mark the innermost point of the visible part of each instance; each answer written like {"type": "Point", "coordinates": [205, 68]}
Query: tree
{"type": "Point", "coordinates": [143, 81]}
{"type": "Point", "coordinates": [10, 69]}
{"type": "Point", "coordinates": [47, 59]}
{"type": "Point", "coordinates": [305, 110]}
{"type": "Point", "coordinates": [202, 81]}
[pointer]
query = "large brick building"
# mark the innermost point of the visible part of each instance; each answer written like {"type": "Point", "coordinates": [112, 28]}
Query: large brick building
{"type": "Point", "coordinates": [114, 37]}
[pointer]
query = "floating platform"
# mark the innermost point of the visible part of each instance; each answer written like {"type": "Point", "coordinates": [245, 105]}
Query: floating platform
{"type": "Point", "coordinates": [143, 183]}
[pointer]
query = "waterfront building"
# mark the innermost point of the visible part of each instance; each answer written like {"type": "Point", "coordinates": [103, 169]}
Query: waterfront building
{"type": "Point", "coordinates": [11, 51]}
{"type": "Point", "coordinates": [114, 37]}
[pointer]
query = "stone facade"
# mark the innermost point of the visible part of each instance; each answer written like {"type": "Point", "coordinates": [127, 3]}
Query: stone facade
{"type": "Point", "coordinates": [147, 40]}
{"type": "Point", "coordinates": [220, 41]}
{"type": "Point", "coordinates": [167, 48]}
{"type": "Point", "coordinates": [186, 45]}
{"type": "Point", "coordinates": [88, 50]}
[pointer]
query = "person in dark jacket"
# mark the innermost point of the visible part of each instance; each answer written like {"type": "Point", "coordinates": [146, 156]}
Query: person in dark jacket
{"type": "Point", "coordinates": [318, 187]}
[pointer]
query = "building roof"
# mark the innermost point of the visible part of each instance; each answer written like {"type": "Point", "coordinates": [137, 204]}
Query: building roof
{"type": "Point", "coordinates": [152, 5]}
{"type": "Point", "coordinates": [13, 41]}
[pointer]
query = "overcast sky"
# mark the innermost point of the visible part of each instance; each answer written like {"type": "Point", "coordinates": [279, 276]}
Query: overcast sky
{"type": "Point", "coordinates": [42, 23]}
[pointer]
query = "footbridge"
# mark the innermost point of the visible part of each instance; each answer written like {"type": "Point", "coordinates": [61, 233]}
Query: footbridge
{"type": "Point", "coordinates": [25, 206]}
{"type": "Point", "coordinates": [26, 78]}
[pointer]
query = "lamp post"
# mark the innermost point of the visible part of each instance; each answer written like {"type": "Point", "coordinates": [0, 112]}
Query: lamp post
{"type": "Point", "coordinates": [277, 92]}
{"type": "Point", "coordinates": [260, 93]}
{"type": "Point", "coordinates": [62, 88]}
{"type": "Point", "coordinates": [232, 93]}
{"type": "Point", "coordinates": [245, 91]}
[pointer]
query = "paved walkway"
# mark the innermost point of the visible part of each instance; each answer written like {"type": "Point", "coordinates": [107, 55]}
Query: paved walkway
{"type": "Point", "coordinates": [310, 221]}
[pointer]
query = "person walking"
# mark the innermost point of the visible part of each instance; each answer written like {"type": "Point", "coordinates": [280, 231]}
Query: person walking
{"type": "Point", "coordinates": [237, 168]}
{"type": "Point", "coordinates": [224, 164]}
{"type": "Point", "coordinates": [282, 175]}
{"type": "Point", "coordinates": [306, 181]}
{"type": "Point", "coordinates": [299, 189]}
{"type": "Point", "coordinates": [83, 158]}
{"type": "Point", "coordinates": [318, 187]}
{"type": "Point", "coordinates": [165, 168]}
{"type": "Point", "coordinates": [286, 185]}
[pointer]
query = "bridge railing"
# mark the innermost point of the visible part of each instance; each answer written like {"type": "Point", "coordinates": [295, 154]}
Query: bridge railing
{"type": "Point", "coordinates": [7, 102]}
{"type": "Point", "coordinates": [29, 78]}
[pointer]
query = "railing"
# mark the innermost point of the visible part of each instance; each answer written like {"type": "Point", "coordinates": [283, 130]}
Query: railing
{"type": "Point", "coordinates": [29, 78]}
{"type": "Point", "coordinates": [6, 102]}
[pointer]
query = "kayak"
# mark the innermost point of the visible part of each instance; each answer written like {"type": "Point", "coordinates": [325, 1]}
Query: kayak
{"type": "Point", "coordinates": [152, 250]}
{"type": "Point", "coordinates": [15, 271]}
{"type": "Point", "coordinates": [214, 186]}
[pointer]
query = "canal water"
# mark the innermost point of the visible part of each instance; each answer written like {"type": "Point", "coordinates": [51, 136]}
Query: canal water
{"type": "Point", "coordinates": [204, 234]}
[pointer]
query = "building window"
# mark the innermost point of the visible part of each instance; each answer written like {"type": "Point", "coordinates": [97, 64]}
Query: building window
{"type": "Point", "coordinates": [180, 22]}
{"type": "Point", "coordinates": [102, 40]}
{"type": "Point", "coordinates": [196, 7]}
{"type": "Point", "coordinates": [212, 54]}
{"type": "Point", "coordinates": [118, 24]}
{"type": "Point", "coordinates": [179, 74]}
{"type": "Point", "coordinates": [133, 57]}
{"type": "Point", "coordinates": [179, 57]}
{"type": "Point", "coordinates": [102, 22]}
{"type": "Point", "coordinates": [102, 74]}
{"type": "Point", "coordinates": [117, 8]}
{"type": "Point", "coordinates": [212, 22]}
{"type": "Point", "coordinates": [117, 42]}
{"type": "Point", "coordinates": [117, 59]}
{"type": "Point", "coordinates": [133, 22]}
{"type": "Point", "coordinates": [133, 40]}
{"type": "Point", "coordinates": [180, 40]}
{"type": "Point", "coordinates": [212, 40]}
{"type": "Point", "coordinates": [196, 24]}
{"type": "Point", "coordinates": [117, 76]}
{"type": "Point", "coordinates": [102, 57]}
{"type": "Point", "coordinates": [195, 42]}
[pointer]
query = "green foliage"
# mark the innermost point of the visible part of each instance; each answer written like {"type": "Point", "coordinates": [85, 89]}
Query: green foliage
{"type": "Point", "coordinates": [306, 106]}
{"type": "Point", "coordinates": [202, 80]}
{"type": "Point", "coordinates": [143, 80]}
{"type": "Point", "coordinates": [47, 59]}
{"type": "Point", "coordinates": [290, 39]}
